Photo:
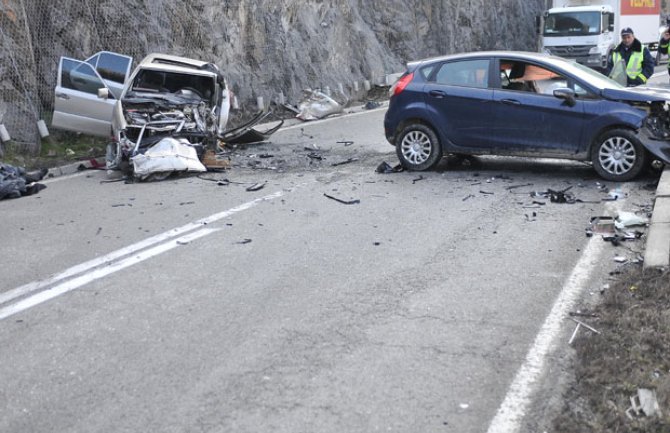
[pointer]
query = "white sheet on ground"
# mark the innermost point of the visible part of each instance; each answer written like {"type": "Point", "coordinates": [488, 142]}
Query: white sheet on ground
{"type": "Point", "coordinates": [169, 154]}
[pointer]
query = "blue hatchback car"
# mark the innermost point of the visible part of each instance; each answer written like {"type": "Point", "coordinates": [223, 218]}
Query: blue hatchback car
{"type": "Point", "coordinates": [525, 104]}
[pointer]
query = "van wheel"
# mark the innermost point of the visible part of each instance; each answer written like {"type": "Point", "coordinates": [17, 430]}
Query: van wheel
{"type": "Point", "coordinates": [618, 155]}
{"type": "Point", "coordinates": [418, 148]}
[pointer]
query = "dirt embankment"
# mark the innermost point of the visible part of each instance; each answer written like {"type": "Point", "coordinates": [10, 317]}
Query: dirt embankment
{"type": "Point", "coordinates": [631, 353]}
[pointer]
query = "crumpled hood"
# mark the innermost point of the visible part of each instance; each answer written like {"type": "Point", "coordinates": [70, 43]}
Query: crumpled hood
{"type": "Point", "coordinates": [637, 94]}
{"type": "Point", "coordinates": [162, 100]}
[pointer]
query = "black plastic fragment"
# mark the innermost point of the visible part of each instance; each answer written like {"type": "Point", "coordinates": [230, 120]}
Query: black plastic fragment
{"type": "Point", "coordinates": [356, 201]}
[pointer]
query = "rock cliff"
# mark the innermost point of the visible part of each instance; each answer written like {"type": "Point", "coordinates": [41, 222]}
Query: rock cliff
{"type": "Point", "coordinates": [264, 46]}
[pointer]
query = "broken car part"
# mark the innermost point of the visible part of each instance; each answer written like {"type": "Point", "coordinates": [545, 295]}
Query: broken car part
{"type": "Point", "coordinates": [317, 105]}
{"type": "Point", "coordinates": [356, 201]}
{"type": "Point", "coordinates": [384, 167]}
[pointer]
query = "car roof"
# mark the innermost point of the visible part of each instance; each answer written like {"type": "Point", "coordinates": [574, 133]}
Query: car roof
{"type": "Point", "coordinates": [520, 55]}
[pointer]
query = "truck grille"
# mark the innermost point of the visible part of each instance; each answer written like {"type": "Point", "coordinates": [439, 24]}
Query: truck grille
{"type": "Point", "coordinates": [570, 51]}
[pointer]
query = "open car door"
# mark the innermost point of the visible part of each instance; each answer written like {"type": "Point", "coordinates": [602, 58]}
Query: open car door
{"type": "Point", "coordinates": [76, 103]}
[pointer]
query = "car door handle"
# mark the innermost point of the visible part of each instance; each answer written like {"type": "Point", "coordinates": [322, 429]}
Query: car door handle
{"type": "Point", "coordinates": [62, 96]}
{"type": "Point", "coordinates": [510, 102]}
{"type": "Point", "coordinates": [437, 93]}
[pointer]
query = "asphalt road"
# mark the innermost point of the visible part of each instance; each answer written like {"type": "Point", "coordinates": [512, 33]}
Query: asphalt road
{"type": "Point", "coordinates": [186, 305]}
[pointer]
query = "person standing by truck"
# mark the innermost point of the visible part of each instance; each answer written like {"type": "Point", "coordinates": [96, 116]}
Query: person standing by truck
{"type": "Point", "coordinates": [636, 57]}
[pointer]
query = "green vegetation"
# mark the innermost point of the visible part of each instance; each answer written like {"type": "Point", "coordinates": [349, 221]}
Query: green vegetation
{"type": "Point", "coordinates": [58, 149]}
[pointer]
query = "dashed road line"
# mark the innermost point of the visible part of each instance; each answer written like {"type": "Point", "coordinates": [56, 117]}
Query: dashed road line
{"type": "Point", "coordinates": [91, 270]}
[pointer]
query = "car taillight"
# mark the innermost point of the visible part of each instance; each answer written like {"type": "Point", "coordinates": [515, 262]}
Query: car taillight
{"type": "Point", "coordinates": [400, 85]}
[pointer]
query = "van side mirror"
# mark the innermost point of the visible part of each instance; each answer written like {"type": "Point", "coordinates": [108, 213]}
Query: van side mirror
{"type": "Point", "coordinates": [103, 93]}
{"type": "Point", "coordinates": [566, 94]}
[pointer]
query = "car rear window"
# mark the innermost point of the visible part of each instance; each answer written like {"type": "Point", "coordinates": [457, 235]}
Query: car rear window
{"type": "Point", "coordinates": [466, 73]}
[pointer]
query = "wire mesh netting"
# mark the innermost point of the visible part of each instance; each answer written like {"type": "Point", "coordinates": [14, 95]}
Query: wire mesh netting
{"type": "Point", "coordinates": [263, 46]}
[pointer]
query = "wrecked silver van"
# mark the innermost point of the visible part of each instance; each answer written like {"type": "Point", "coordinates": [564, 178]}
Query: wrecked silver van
{"type": "Point", "coordinates": [168, 97]}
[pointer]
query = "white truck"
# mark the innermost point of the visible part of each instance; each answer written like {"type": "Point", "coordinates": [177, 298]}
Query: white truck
{"type": "Point", "coordinates": [587, 31]}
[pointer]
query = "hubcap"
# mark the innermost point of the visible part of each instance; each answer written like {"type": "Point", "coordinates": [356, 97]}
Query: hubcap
{"type": "Point", "coordinates": [416, 147]}
{"type": "Point", "coordinates": [617, 155]}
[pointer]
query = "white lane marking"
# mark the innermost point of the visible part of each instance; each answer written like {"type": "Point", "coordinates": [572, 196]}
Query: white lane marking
{"type": "Point", "coordinates": [511, 412]}
{"type": "Point", "coordinates": [513, 409]}
{"type": "Point", "coordinates": [86, 266]}
{"type": "Point", "coordinates": [96, 274]}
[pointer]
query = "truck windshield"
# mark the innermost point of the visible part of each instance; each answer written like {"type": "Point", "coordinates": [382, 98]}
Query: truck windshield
{"type": "Point", "coordinates": [572, 23]}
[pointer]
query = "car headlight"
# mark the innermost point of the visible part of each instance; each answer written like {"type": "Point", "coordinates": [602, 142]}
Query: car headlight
{"type": "Point", "coordinates": [594, 50]}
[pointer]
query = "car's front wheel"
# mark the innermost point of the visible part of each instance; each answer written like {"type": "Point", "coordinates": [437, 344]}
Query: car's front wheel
{"type": "Point", "coordinates": [618, 155]}
{"type": "Point", "coordinates": [418, 148]}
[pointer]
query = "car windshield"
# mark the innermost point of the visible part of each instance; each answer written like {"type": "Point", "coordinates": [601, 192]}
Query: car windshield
{"type": "Point", "coordinates": [572, 23]}
{"type": "Point", "coordinates": [152, 81]}
{"type": "Point", "coordinates": [590, 76]}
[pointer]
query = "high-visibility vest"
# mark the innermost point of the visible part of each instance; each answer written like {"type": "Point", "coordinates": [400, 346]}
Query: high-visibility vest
{"type": "Point", "coordinates": [634, 66]}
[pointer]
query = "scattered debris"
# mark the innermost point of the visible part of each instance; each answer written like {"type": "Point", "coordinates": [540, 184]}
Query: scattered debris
{"type": "Point", "coordinates": [531, 219]}
{"type": "Point", "coordinates": [346, 161]}
{"type": "Point", "coordinates": [212, 161]}
{"type": "Point", "coordinates": [256, 186]}
{"type": "Point", "coordinates": [346, 143]}
{"type": "Point", "coordinates": [614, 195]}
{"type": "Point", "coordinates": [485, 192]}
{"type": "Point", "coordinates": [291, 108]}
{"type": "Point", "coordinates": [579, 324]}
{"type": "Point", "coordinates": [612, 230]}
{"type": "Point", "coordinates": [629, 219]}
{"type": "Point", "coordinates": [418, 179]}
{"type": "Point", "coordinates": [317, 105]}
{"type": "Point", "coordinates": [644, 403]}
{"type": "Point", "coordinates": [246, 134]}
{"type": "Point", "coordinates": [603, 225]}
{"type": "Point", "coordinates": [371, 105]}
{"type": "Point", "coordinates": [15, 182]}
{"type": "Point", "coordinates": [243, 241]}
{"type": "Point", "coordinates": [468, 197]}
{"type": "Point", "coordinates": [582, 314]}
{"type": "Point", "coordinates": [561, 196]}
{"type": "Point", "coordinates": [511, 187]}
{"type": "Point", "coordinates": [384, 168]}
{"type": "Point", "coordinates": [342, 201]}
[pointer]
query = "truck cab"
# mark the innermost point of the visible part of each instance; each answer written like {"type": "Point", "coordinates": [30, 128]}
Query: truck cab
{"type": "Point", "coordinates": [582, 33]}
{"type": "Point", "coordinates": [588, 30]}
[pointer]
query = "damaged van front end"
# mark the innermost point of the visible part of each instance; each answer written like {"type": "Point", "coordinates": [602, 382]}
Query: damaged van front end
{"type": "Point", "coordinates": [168, 97]}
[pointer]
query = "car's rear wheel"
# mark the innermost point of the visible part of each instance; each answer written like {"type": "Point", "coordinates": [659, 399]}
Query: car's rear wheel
{"type": "Point", "coordinates": [418, 148]}
{"type": "Point", "coordinates": [618, 155]}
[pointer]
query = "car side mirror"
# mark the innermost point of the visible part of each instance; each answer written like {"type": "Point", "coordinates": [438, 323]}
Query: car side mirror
{"type": "Point", "coordinates": [103, 93]}
{"type": "Point", "coordinates": [566, 94]}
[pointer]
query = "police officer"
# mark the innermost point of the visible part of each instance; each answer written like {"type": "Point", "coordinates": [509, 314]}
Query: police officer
{"type": "Point", "coordinates": [637, 58]}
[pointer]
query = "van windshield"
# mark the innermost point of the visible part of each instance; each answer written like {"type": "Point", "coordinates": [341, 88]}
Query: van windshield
{"type": "Point", "coordinates": [572, 23]}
